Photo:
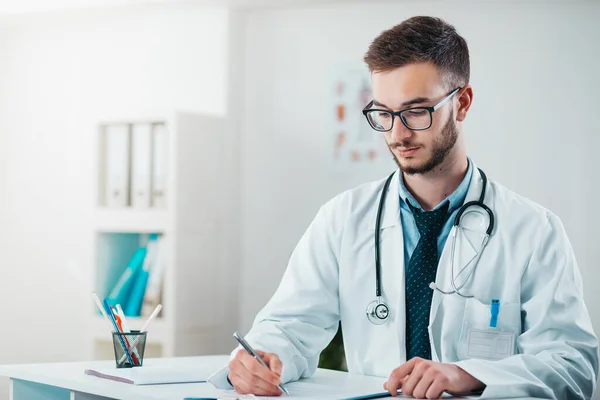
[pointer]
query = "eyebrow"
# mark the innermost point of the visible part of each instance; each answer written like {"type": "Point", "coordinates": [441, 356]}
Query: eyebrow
{"type": "Point", "coordinates": [411, 102]}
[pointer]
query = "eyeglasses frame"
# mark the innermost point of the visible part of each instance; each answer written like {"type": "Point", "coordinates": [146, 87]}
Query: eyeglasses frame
{"type": "Point", "coordinates": [398, 114]}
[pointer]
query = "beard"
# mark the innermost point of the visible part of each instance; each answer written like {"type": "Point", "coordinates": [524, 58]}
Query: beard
{"type": "Point", "coordinates": [440, 149]}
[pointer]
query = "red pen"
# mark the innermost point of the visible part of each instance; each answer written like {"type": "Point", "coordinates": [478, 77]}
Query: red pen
{"type": "Point", "coordinates": [120, 325]}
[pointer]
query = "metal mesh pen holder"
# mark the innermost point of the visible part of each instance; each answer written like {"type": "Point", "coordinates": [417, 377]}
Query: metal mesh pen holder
{"type": "Point", "coordinates": [129, 348]}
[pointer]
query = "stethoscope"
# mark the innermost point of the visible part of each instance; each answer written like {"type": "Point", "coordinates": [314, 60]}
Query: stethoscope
{"type": "Point", "coordinates": [378, 311]}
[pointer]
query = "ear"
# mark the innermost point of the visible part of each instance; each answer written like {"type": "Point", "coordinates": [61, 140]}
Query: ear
{"type": "Point", "coordinates": [465, 98]}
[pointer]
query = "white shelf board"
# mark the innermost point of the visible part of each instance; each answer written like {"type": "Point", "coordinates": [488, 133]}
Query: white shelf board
{"type": "Point", "coordinates": [158, 331]}
{"type": "Point", "coordinates": [131, 220]}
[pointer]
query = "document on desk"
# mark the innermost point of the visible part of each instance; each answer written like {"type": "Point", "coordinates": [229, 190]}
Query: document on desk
{"type": "Point", "coordinates": [299, 390]}
{"type": "Point", "coordinates": [341, 387]}
{"type": "Point", "coordinates": [153, 374]}
{"type": "Point", "coordinates": [306, 390]}
{"type": "Point", "coordinates": [310, 390]}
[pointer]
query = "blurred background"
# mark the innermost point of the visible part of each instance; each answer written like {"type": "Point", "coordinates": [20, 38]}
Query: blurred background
{"type": "Point", "coordinates": [175, 151]}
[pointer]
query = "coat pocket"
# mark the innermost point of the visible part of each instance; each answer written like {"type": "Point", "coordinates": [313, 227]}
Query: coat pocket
{"type": "Point", "coordinates": [480, 339]}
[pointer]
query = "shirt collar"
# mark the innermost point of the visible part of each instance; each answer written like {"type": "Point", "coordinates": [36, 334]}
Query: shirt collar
{"type": "Point", "coordinates": [456, 199]}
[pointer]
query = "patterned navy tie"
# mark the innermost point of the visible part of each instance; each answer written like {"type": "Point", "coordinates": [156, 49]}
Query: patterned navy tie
{"type": "Point", "coordinates": [420, 272]}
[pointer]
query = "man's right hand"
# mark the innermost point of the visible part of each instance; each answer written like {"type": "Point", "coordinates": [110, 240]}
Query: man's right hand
{"type": "Point", "coordinates": [248, 376]}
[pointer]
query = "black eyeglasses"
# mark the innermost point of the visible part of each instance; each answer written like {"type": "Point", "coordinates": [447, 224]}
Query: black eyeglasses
{"type": "Point", "coordinates": [414, 118]}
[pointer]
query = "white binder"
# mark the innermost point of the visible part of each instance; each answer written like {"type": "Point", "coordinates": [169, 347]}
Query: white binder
{"type": "Point", "coordinates": [116, 166]}
{"type": "Point", "coordinates": [141, 165]}
{"type": "Point", "coordinates": [159, 165]}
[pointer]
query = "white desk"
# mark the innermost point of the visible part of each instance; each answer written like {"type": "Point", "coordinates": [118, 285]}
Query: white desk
{"type": "Point", "coordinates": [67, 381]}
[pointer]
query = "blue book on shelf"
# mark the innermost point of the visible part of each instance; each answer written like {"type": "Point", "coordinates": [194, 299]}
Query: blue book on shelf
{"type": "Point", "coordinates": [133, 305]}
{"type": "Point", "coordinates": [120, 293]}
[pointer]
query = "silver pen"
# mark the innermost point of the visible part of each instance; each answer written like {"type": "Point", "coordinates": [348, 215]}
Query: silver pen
{"type": "Point", "coordinates": [250, 350]}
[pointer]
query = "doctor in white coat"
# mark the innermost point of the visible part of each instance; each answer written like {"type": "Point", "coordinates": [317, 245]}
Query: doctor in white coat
{"type": "Point", "coordinates": [513, 322]}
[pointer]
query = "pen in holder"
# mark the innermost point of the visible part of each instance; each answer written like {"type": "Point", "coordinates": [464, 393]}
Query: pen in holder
{"type": "Point", "coordinates": [135, 344]}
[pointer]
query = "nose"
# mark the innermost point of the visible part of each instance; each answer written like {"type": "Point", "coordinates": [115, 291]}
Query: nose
{"type": "Point", "coordinates": [399, 132]}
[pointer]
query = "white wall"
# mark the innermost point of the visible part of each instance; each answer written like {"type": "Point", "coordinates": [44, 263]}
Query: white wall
{"type": "Point", "coordinates": [59, 73]}
{"type": "Point", "coordinates": [533, 125]}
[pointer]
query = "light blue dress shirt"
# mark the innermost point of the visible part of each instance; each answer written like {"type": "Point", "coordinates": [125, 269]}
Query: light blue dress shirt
{"type": "Point", "coordinates": [409, 227]}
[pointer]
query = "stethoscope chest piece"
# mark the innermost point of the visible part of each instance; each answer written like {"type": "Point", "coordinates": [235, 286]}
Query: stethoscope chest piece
{"type": "Point", "coordinates": [378, 312]}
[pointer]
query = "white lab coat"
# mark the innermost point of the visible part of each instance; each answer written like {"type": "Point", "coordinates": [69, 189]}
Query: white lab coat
{"type": "Point", "coordinates": [528, 264]}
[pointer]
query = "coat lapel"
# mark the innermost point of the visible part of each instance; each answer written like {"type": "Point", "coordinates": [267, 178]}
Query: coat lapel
{"type": "Point", "coordinates": [391, 246]}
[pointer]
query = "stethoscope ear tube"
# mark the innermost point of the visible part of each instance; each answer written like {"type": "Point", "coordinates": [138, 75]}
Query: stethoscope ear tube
{"type": "Point", "coordinates": [478, 203]}
{"type": "Point", "coordinates": [377, 229]}
{"type": "Point", "coordinates": [377, 311]}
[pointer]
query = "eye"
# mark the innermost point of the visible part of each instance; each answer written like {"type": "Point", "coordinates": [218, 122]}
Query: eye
{"type": "Point", "coordinates": [383, 115]}
{"type": "Point", "coordinates": [417, 112]}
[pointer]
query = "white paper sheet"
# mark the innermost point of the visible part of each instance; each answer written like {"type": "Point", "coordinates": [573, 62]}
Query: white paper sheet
{"type": "Point", "coordinates": [152, 374]}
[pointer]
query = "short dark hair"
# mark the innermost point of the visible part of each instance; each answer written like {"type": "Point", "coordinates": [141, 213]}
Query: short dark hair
{"type": "Point", "coordinates": [422, 39]}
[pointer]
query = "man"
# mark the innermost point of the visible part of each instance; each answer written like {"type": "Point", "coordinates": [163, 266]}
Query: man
{"type": "Point", "coordinates": [512, 322]}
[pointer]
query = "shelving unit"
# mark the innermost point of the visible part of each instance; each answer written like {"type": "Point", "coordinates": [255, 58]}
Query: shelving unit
{"type": "Point", "coordinates": [191, 322]}
{"type": "Point", "coordinates": [131, 220]}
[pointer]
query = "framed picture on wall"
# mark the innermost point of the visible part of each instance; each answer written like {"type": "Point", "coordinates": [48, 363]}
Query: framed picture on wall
{"type": "Point", "coordinates": [354, 145]}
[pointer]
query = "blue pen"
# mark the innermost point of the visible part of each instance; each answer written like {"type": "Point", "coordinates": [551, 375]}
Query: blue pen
{"type": "Point", "coordinates": [114, 322]}
{"type": "Point", "coordinates": [494, 310]}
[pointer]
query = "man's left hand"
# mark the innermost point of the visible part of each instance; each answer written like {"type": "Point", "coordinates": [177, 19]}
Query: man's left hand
{"type": "Point", "coordinates": [425, 379]}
